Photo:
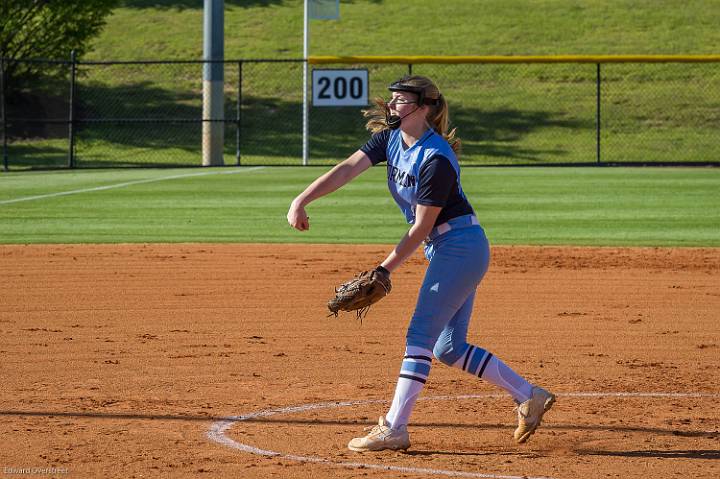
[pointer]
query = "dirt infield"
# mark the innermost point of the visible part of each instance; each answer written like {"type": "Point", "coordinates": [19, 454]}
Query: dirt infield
{"type": "Point", "coordinates": [117, 360]}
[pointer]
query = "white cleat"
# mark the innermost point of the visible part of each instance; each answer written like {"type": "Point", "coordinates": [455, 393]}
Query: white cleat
{"type": "Point", "coordinates": [530, 413]}
{"type": "Point", "coordinates": [382, 437]}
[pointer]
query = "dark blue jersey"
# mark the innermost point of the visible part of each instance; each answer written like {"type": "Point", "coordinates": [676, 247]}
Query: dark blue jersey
{"type": "Point", "coordinates": [429, 177]}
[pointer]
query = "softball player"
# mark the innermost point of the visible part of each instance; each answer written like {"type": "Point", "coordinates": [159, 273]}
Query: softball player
{"type": "Point", "coordinates": [410, 134]}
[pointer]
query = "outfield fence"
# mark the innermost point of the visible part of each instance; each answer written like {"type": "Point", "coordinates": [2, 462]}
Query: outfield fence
{"type": "Point", "coordinates": [600, 110]}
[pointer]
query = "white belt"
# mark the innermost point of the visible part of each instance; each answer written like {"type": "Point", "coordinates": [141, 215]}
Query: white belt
{"type": "Point", "coordinates": [454, 223]}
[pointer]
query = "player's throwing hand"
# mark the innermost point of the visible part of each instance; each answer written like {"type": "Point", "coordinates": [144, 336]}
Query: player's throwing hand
{"type": "Point", "coordinates": [298, 218]}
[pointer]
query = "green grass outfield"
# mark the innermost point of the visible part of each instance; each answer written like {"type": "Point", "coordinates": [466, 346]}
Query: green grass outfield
{"type": "Point", "coordinates": [531, 206]}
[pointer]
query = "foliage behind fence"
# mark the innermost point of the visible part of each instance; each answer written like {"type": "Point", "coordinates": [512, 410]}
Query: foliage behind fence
{"type": "Point", "coordinates": [150, 113]}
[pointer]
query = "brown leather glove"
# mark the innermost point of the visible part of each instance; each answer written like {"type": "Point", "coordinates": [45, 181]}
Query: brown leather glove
{"type": "Point", "coordinates": [361, 292]}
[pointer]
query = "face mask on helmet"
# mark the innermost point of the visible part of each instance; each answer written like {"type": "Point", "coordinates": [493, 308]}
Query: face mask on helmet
{"type": "Point", "coordinates": [394, 121]}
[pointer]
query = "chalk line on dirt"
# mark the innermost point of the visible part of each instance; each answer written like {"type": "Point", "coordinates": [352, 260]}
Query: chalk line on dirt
{"type": "Point", "coordinates": [217, 431]}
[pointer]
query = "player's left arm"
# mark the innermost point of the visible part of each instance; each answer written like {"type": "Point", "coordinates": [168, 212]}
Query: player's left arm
{"type": "Point", "coordinates": [436, 179]}
{"type": "Point", "coordinates": [425, 217]}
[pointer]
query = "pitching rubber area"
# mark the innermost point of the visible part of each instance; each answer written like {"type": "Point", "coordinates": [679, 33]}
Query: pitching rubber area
{"type": "Point", "coordinates": [218, 361]}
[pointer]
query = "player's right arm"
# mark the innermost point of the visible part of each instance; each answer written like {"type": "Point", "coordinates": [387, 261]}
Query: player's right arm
{"type": "Point", "coordinates": [334, 179]}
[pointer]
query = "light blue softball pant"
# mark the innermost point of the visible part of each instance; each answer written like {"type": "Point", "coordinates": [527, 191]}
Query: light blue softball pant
{"type": "Point", "coordinates": [459, 259]}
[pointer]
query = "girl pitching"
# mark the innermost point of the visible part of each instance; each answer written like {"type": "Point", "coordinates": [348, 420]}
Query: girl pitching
{"type": "Point", "coordinates": [410, 134]}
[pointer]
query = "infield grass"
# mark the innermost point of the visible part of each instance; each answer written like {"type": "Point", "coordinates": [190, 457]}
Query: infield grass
{"type": "Point", "coordinates": [531, 206]}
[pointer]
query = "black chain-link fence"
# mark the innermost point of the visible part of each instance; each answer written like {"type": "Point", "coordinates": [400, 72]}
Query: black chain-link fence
{"type": "Point", "coordinates": [150, 113]}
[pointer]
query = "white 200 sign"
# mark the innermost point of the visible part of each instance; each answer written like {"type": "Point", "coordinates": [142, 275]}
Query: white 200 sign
{"type": "Point", "coordinates": [340, 87]}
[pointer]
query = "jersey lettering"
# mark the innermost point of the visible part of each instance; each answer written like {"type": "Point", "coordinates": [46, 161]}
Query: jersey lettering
{"type": "Point", "coordinates": [402, 178]}
{"type": "Point", "coordinates": [403, 167]}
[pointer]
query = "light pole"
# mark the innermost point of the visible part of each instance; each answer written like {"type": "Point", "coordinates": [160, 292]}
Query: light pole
{"type": "Point", "coordinates": [213, 127]}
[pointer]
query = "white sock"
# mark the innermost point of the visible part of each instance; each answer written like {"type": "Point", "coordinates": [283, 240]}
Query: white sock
{"type": "Point", "coordinates": [485, 365]}
{"type": "Point", "coordinates": [500, 374]}
{"type": "Point", "coordinates": [413, 374]}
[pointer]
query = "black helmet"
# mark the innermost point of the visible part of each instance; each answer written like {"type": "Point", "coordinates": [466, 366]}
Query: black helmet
{"type": "Point", "coordinates": [403, 84]}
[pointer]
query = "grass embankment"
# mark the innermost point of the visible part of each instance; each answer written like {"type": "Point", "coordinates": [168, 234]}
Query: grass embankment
{"type": "Point", "coordinates": [505, 114]}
